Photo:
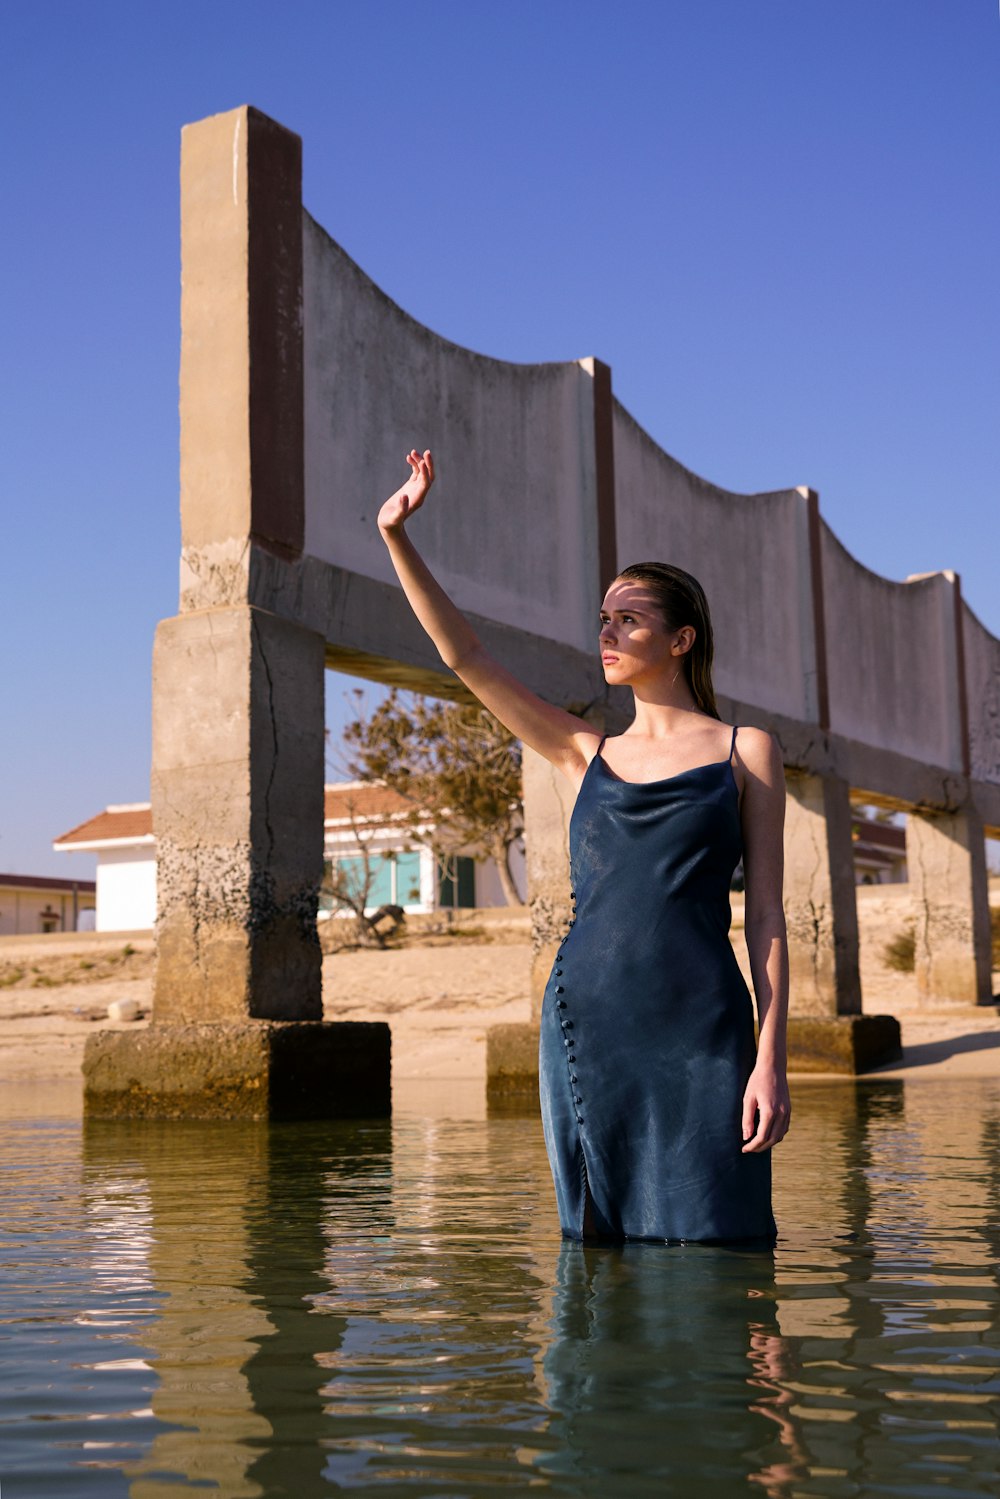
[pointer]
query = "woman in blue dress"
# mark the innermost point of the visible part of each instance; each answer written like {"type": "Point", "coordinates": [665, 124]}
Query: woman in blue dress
{"type": "Point", "coordinates": [660, 1107]}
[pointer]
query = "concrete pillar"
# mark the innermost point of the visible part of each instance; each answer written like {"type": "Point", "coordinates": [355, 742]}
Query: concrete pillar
{"type": "Point", "coordinates": [512, 1049]}
{"type": "Point", "coordinates": [946, 861]}
{"type": "Point", "coordinates": [826, 1030]}
{"type": "Point", "coordinates": [238, 692]}
{"type": "Point", "coordinates": [548, 806]}
{"type": "Point", "coordinates": [237, 794]}
{"type": "Point", "coordinates": [821, 912]}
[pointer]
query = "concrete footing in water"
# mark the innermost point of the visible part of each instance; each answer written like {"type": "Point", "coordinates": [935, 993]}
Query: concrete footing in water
{"type": "Point", "coordinates": [848, 1044]}
{"type": "Point", "coordinates": [843, 1043]}
{"type": "Point", "coordinates": [258, 1069]}
{"type": "Point", "coordinates": [512, 1064]}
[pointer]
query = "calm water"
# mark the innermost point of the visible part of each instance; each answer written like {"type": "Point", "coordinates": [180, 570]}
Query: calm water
{"type": "Point", "coordinates": [305, 1309]}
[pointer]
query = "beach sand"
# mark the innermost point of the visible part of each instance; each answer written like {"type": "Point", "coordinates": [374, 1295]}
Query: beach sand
{"type": "Point", "coordinates": [439, 1000]}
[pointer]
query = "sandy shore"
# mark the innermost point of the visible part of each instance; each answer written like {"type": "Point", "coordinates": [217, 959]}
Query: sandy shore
{"type": "Point", "coordinates": [439, 1000]}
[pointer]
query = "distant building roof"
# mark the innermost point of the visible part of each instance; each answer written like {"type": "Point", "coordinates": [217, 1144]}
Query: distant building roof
{"type": "Point", "coordinates": [132, 822]}
{"type": "Point", "coordinates": [46, 882]}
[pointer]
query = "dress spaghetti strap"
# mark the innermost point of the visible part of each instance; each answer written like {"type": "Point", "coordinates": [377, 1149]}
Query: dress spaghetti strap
{"type": "Point", "coordinates": [733, 744]}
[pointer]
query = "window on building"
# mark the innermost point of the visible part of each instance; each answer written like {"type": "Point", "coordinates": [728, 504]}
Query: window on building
{"type": "Point", "coordinates": [407, 872]}
{"type": "Point", "coordinates": [457, 881]}
{"type": "Point", "coordinates": [395, 879]}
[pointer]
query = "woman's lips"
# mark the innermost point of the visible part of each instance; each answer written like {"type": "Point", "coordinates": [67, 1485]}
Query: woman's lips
{"type": "Point", "coordinates": [606, 657]}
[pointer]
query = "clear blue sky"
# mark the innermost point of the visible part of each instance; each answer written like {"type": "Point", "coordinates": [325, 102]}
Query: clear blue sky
{"type": "Point", "coordinates": [777, 221]}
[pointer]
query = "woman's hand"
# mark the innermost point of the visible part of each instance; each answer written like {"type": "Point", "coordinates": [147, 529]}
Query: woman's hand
{"type": "Point", "coordinates": [401, 505]}
{"type": "Point", "coordinates": [766, 1092]}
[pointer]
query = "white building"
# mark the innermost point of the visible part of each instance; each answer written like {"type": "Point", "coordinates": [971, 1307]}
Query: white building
{"type": "Point", "coordinates": [122, 837]}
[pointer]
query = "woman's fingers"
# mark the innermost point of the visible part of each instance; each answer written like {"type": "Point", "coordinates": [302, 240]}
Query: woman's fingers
{"type": "Point", "coordinates": [757, 1140]}
{"type": "Point", "coordinates": [749, 1109]}
{"type": "Point", "coordinates": [772, 1124]}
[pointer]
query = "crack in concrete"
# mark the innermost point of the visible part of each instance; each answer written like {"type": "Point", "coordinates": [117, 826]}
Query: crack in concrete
{"type": "Point", "coordinates": [924, 955]}
{"type": "Point", "coordinates": [274, 741]}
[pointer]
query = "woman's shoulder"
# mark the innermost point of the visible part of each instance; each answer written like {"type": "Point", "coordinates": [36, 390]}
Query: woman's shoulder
{"type": "Point", "coordinates": [759, 751]}
{"type": "Point", "coordinates": [752, 740]}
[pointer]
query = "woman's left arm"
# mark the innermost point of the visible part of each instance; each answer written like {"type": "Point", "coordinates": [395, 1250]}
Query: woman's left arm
{"type": "Point", "coordinates": [763, 818]}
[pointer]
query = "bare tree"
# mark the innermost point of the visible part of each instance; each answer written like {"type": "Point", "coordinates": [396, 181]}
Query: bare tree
{"type": "Point", "coordinates": [457, 767]}
{"type": "Point", "coordinates": [349, 887]}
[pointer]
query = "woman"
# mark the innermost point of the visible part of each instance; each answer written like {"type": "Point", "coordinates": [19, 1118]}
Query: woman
{"type": "Point", "coordinates": [659, 1110]}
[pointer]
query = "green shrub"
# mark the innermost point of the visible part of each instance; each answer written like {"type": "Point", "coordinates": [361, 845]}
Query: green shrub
{"type": "Point", "coordinates": [901, 952]}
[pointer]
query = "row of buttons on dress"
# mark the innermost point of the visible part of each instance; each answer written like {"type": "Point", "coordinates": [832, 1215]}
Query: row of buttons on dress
{"type": "Point", "coordinates": [567, 1025]}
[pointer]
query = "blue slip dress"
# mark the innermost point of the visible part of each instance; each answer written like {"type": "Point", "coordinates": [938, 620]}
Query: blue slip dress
{"type": "Point", "coordinates": [647, 1027]}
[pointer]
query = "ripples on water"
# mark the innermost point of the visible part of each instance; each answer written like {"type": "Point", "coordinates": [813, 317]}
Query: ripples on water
{"type": "Point", "coordinates": [300, 1309]}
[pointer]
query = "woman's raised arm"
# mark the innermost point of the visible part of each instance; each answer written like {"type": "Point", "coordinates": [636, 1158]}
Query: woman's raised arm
{"type": "Point", "coordinates": [563, 738]}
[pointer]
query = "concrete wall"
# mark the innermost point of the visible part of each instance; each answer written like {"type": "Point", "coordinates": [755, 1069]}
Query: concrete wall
{"type": "Point", "coordinates": [893, 676]}
{"type": "Point", "coordinates": [981, 653]}
{"type": "Point", "coordinates": [378, 383]}
{"type": "Point", "coordinates": [750, 552]}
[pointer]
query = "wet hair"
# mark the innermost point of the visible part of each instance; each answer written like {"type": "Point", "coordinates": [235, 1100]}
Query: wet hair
{"type": "Point", "coordinates": [681, 600]}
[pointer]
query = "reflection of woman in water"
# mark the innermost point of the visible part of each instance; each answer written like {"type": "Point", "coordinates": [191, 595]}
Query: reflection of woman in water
{"type": "Point", "coordinates": [665, 1371]}
{"type": "Point", "coordinates": [659, 1108]}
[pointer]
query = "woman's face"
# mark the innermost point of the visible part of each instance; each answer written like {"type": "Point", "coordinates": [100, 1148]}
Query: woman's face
{"type": "Point", "coordinates": [635, 644]}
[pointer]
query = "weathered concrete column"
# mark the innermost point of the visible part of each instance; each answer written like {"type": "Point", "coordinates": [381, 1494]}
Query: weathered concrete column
{"type": "Point", "coordinates": [512, 1050]}
{"type": "Point", "coordinates": [238, 691]}
{"type": "Point", "coordinates": [826, 1029]}
{"type": "Point", "coordinates": [548, 805]}
{"type": "Point", "coordinates": [946, 861]}
{"type": "Point", "coordinates": [821, 911]}
{"type": "Point", "coordinates": [237, 793]}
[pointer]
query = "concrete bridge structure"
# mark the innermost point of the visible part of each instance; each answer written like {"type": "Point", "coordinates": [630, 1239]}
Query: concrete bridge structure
{"type": "Point", "coordinates": [302, 385]}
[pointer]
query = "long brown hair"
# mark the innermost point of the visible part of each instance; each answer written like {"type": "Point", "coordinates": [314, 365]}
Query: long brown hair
{"type": "Point", "coordinates": [681, 600]}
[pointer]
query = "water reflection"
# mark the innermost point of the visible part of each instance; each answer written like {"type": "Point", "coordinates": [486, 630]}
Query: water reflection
{"type": "Point", "coordinates": [652, 1345]}
{"type": "Point", "coordinates": [311, 1308]}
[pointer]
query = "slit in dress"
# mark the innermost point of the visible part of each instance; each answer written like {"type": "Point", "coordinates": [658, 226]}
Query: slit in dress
{"type": "Point", "coordinates": [589, 1227]}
